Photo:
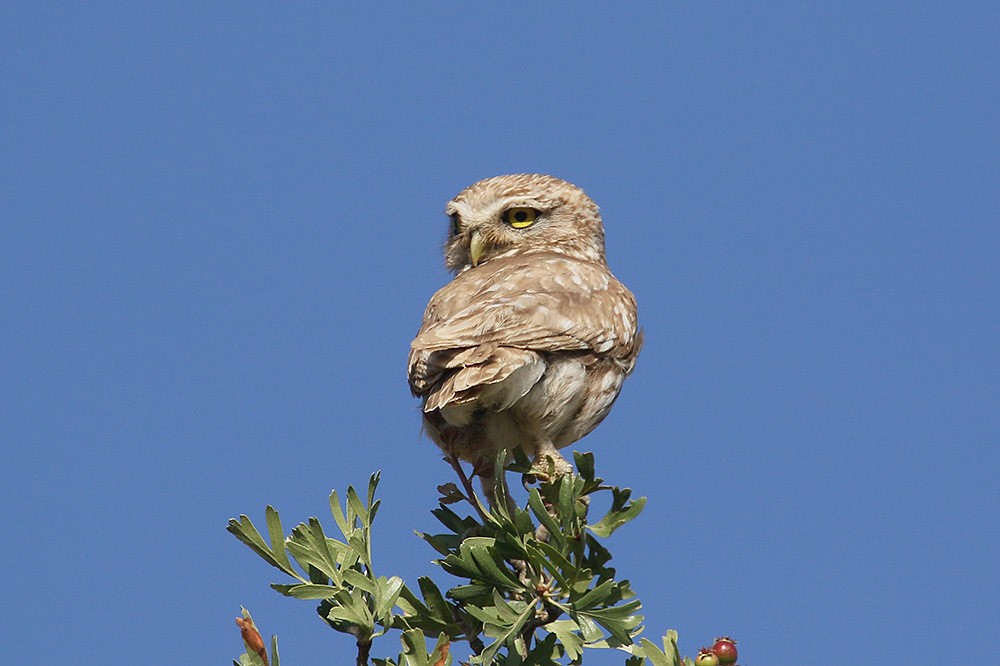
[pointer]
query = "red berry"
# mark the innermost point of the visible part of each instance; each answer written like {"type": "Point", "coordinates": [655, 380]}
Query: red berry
{"type": "Point", "coordinates": [706, 658]}
{"type": "Point", "coordinates": [725, 647]}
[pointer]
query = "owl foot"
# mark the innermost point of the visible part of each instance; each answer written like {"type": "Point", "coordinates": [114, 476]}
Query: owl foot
{"type": "Point", "coordinates": [549, 466]}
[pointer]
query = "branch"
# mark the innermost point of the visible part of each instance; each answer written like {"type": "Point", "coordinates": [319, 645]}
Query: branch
{"type": "Point", "coordinates": [364, 648]}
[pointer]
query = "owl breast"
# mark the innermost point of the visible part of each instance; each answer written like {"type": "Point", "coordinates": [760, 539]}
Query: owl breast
{"type": "Point", "coordinates": [569, 398]}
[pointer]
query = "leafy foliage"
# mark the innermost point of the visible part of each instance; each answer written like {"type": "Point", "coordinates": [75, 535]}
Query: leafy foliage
{"type": "Point", "coordinates": [534, 586]}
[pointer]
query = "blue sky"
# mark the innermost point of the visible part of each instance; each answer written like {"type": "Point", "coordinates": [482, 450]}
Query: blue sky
{"type": "Point", "coordinates": [221, 223]}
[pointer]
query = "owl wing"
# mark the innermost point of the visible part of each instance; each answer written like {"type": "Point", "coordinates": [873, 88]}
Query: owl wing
{"type": "Point", "coordinates": [494, 322]}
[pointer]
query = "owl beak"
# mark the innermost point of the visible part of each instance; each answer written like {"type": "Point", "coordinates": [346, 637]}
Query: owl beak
{"type": "Point", "coordinates": [476, 247]}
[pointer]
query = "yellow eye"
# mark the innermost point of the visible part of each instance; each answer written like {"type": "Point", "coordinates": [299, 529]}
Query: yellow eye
{"type": "Point", "coordinates": [519, 218]}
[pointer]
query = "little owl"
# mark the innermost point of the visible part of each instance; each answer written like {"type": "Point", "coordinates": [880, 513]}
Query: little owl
{"type": "Point", "coordinates": [529, 344]}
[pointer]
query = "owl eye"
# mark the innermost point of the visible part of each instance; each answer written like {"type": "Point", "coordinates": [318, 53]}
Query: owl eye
{"type": "Point", "coordinates": [519, 218]}
{"type": "Point", "coordinates": [456, 225]}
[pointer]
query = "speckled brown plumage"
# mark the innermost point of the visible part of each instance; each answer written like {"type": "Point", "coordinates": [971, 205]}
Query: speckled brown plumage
{"type": "Point", "coordinates": [531, 341]}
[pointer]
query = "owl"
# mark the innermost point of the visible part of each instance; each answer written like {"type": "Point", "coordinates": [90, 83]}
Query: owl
{"type": "Point", "coordinates": [530, 342]}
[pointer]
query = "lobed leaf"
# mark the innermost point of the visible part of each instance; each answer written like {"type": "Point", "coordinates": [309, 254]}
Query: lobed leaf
{"type": "Point", "coordinates": [656, 656]}
{"type": "Point", "coordinates": [565, 632]}
{"type": "Point", "coordinates": [244, 530]}
{"type": "Point", "coordinates": [436, 603]}
{"type": "Point", "coordinates": [498, 624]}
{"type": "Point", "coordinates": [277, 536]}
{"type": "Point", "coordinates": [453, 521]}
{"type": "Point", "coordinates": [621, 512]}
{"type": "Point", "coordinates": [386, 594]}
{"type": "Point", "coordinates": [310, 547]}
{"type": "Point", "coordinates": [354, 504]}
{"type": "Point", "coordinates": [598, 595]}
{"type": "Point", "coordinates": [619, 621]}
{"type": "Point", "coordinates": [372, 485]}
{"type": "Point", "coordinates": [360, 581]}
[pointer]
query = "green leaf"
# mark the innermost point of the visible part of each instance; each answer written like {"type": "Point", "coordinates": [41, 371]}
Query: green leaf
{"type": "Point", "coordinates": [354, 611]}
{"type": "Point", "coordinates": [619, 621]}
{"type": "Point", "coordinates": [494, 569]}
{"type": "Point", "coordinates": [471, 594]}
{"type": "Point", "coordinates": [565, 631]}
{"type": "Point", "coordinates": [249, 659]}
{"type": "Point", "coordinates": [597, 555]}
{"type": "Point", "coordinates": [244, 530]}
{"type": "Point", "coordinates": [508, 610]}
{"type": "Point", "coordinates": [498, 625]}
{"type": "Point", "coordinates": [543, 516]}
{"type": "Point", "coordinates": [589, 629]}
{"type": "Point", "coordinates": [621, 512]}
{"type": "Point", "coordinates": [347, 525]}
{"type": "Point", "coordinates": [477, 559]}
{"type": "Point", "coordinates": [555, 559]}
{"type": "Point", "coordinates": [595, 596]}
{"type": "Point", "coordinates": [361, 548]}
{"type": "Point", "coordinates": [436, 603]}
{"type": "Point", "coordinates": [519, 461]}
{"type": "Point", "coordinates": [523, 524]}
{"type": "Point", "coordinates": [387, 592]}
{"type": "Point", "coordinates": [670, 646]}
{"type": "Point", "coordinates": [486, 614]}
{"type": "Point", "coordinates": [654, 654]}
{"type": "Point", "coordinates": [317, 576]}
{"type": "Point", "coordinates": [372, 485]}
{"type": "Point", "coordinates": [509, 545]}
{"type": "Point", "coordinates": [567, 499]}
{"type": "Point", "coordinates": [415, 649]}
{"type": "Point", "coordinates": [360, 581]}
{"type": "Point", "coordinates": [354, 503]}
{"type": "Point", "coordinates": [416, 614]}
{"type": "Point", "coordinates": [584, 577]}
{"type": "Point", "coordinates": [541, 559]}
{"type": "Point", "coordinates": [310, 546]}
{"type": "Point", "coordinates": [453, 521]}
{"type": "Point", "coordinates": [410, 604]}
{"type": "Point", "coordinates": [307, 590]}
{"type": "Point", "coordinates": [547, 652]}
{"type": "Point", "coordinates": [442, 543]}
{"type": "Point", "coordinates": [442, 644]}
{"type": "Point", "coordinates": [584, 465]}
{"type": "Point", "coordinates": [277, 535]}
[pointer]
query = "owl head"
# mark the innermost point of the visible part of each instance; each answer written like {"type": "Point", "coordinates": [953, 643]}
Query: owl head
{"type": "Point", "coordinates": [521, 214]}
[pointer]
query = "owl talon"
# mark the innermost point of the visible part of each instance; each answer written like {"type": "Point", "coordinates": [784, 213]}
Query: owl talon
{"type": "Point", "coordinates": [550, 466]}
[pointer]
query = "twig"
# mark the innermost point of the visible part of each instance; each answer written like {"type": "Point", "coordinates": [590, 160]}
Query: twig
{"type": "Point", "coordinates": [467, 484]}
{"type": "Point", "coordinates": [550, 613]}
